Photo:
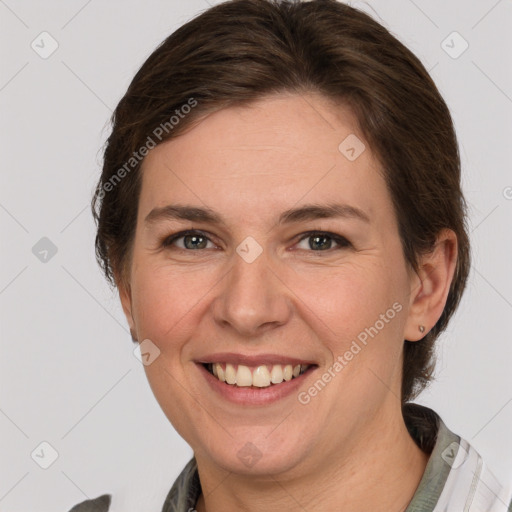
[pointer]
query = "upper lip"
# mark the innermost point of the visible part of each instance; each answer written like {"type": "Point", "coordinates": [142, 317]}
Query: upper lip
{"type": "Point", "coordinates": [252, 360]}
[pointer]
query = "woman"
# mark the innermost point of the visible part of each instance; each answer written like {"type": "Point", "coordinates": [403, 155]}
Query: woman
{"type": "Point", "coordinates": [280, 208]}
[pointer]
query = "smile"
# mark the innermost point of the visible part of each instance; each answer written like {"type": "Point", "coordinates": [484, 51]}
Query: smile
{"type": "Point", "coordinates": [260, 376]}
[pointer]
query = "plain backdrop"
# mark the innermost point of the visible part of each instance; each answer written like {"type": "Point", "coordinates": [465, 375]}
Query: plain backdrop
{"type": "Point", "coordinates": [68, 374]}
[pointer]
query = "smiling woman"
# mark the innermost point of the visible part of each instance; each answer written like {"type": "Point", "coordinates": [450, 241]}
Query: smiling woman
{"type": "Point", "coordinates": [293, 247]}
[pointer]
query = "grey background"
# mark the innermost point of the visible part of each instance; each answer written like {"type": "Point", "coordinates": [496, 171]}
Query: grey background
{"type": "Point", "coordinates": [68, 375]}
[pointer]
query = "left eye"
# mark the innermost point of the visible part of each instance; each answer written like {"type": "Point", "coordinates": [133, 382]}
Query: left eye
{"type": "Point", "coordinates": [323, 241]}
{"type": "Point", "coordinates": [319, 241]}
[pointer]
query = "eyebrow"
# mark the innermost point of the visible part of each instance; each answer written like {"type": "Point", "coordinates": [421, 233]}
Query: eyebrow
{"type": "Point", "coordinates": [293, 215]}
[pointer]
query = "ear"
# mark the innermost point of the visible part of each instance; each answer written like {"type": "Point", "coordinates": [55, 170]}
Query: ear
{"type": "Point", "coordinates": [125, 295]}
{"type": "Point", "coordinates": [430, 286]}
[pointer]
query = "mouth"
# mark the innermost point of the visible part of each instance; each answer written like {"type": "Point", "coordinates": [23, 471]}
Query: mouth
{"type": "Point", "coordinates": [260, 376]}
{"type": "Point", "coordinates": [254, 380]}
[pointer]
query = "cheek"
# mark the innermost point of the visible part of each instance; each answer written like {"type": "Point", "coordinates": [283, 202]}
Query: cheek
{"type": "Point", "coordinates": [359, 318]}
{"type": "Point", "coordinates": [165, 298]}
{"type": "Point", "coordinates": [350, 298]}
{"type": "Point", "coordinates": [164, 312]}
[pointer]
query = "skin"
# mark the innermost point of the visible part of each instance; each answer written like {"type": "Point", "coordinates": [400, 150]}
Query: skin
{"type": "Point", "coordinates": [347, 449]}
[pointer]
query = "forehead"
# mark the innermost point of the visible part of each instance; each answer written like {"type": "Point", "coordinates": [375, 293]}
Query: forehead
{"type": "Point", "coordinates": [265, 157]}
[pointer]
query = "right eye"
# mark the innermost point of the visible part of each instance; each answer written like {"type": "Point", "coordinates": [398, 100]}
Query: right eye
{"type": "Point", "coordinates": [192, 240]}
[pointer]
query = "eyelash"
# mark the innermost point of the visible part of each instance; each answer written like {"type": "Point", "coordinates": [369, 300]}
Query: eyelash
{"type": "Point", "coordinates": [340, 240]}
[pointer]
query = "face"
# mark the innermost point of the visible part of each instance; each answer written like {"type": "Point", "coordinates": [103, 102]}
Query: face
{"type": "Point", "coordinates": [269, 283]}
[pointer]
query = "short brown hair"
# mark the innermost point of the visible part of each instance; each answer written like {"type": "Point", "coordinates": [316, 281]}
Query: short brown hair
{"type": "Point", "coordinates": [243, 50]}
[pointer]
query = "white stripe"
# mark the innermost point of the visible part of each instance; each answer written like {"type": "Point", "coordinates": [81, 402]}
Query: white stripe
{"type": "Point", "coordinates": [474, 484]}
{"type": "Point", "coordinates": [471, 487]}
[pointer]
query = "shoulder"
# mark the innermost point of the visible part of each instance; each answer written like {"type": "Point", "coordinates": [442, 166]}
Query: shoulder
{"type": "Point", "coordinates": [471, 483]}
{"type": "Point", "coordinates": [100, 504]}
{"type": "Point", "coordinates": [456, 477]}
{"type": "Point", "coordinates": [182, 497]}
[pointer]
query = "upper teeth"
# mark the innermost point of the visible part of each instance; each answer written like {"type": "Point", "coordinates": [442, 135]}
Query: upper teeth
{"type": "Point", "coordinates": [260, 376]}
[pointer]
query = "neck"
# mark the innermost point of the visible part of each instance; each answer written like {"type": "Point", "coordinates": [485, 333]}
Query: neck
{"type": "Point", "coordinates": [380, 472]}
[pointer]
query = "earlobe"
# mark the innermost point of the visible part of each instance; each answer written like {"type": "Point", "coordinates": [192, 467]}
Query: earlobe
{"type": "Point", "coordinates": [430, 286]}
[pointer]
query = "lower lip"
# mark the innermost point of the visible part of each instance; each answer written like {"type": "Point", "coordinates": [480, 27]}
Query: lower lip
{"type": "Point", "coordinates": [253, 395]}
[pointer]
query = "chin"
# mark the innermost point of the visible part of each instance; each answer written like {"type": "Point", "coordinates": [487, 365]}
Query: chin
{"type": "Point", "coordinates": [258, 454]}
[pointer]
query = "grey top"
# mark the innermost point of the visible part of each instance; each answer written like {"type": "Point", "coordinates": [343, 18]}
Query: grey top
{"type": "Point", "coordinates": [455, 477]}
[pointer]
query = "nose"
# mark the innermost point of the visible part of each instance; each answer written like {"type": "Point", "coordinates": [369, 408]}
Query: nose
{"type": "Point", "coordinates": [252, 298]}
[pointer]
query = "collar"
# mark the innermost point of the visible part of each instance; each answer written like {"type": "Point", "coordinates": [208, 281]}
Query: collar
{"type": "Point", "coordinates": [433, 437]}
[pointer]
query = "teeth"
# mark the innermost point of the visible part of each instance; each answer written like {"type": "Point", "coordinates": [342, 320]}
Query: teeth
{"type": "Point", "coordinates": [259, 377]}
{"type": "Point", "coordinates": [220, 372]}
{"type": "Point", "coordinates": [230, 374]}
{"type": "Point", "coordinates": [243, 376]}
{"type": "Point", "coordinates": [276, 375]}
